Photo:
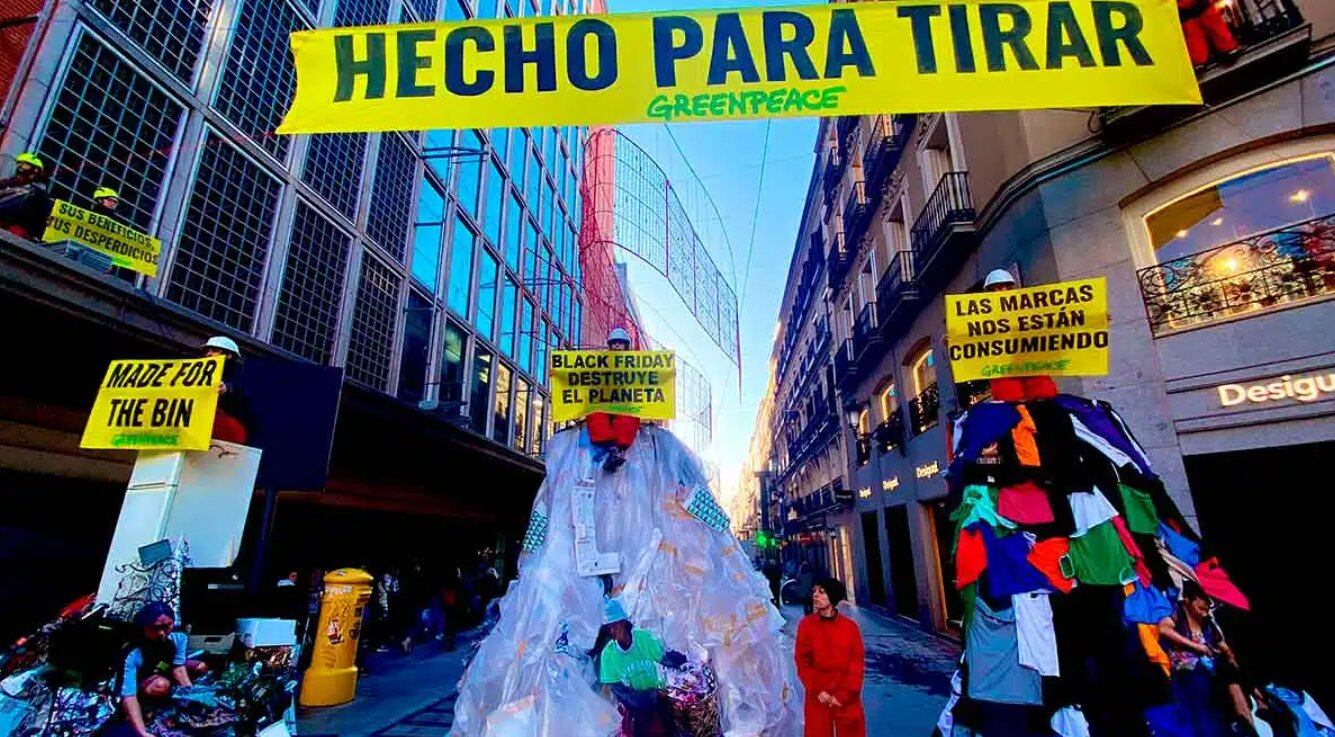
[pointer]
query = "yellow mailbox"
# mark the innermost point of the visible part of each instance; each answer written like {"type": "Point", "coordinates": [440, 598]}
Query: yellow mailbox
{"type": "Point", "coordinates": [332, 677]}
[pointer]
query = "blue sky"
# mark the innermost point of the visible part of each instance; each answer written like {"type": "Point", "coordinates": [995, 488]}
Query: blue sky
{"type": "Point", "coordinates": [727, 157]}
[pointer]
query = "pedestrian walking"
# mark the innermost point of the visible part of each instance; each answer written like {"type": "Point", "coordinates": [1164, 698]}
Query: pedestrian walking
{"type": "Point", "coordinates": [830, 663]}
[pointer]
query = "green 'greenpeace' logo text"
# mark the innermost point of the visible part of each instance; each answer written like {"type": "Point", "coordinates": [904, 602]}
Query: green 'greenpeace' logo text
{"type": "Point", "coordinates": [144, 438]}
{"type": "Point", "coordinates": [745, 104]}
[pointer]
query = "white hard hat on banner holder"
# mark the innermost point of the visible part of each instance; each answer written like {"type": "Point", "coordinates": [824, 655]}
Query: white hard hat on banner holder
{"type": "Point", "coordinates": [223, 343]}
{"type": "Point", "coordinates": [618, 334]}
{"type": "Point", "coordinates": [998, 277]}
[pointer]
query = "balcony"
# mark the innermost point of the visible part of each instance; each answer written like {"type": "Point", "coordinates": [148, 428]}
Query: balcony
{"type": "Point", "coordinates": [945, 229]}
{"type": "Point", "coordinates": [843, 364]}
{"type": "Point", "coordinates": [866, 337]}
{"type": "Point", "coordinates": [856, 212]}
{"type": "Point", "coordinates": [890, 434]}
{"type": "Point", "coordinates": [1242, 278]}
{"type": "Point", "coordinates": [840, 261]}
{"type": "Point", "coordinates": [863, 450]}
{"type": "Point", "coordinates": [846, 131]}
{"type": "Point", "coordinates": [897, 294]}
{"type": "Point", "coordinates": [1273, 39]}
{"type": "Point", "coordinates": [925, 410]}
{"type": "Point", "coordinates": [889, 133]}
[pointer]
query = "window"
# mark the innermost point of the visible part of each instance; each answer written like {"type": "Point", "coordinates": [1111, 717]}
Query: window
{"type": "Point", "coordinates": [533, 180]}
{"type": "Point", "coordinates": [509, 299]}
{"type": "Point", "coordinates": [438, 154]}
{"type": "Point", "coordinates": [452, 363]}
{"type": "Point", "coordinates": [372, 339]}
{"type": "Point", "coordinates": [531, 275]}
{"type": "Point", "coordinates": [171, 31]}
{"type": "Point", "coordinates": [416, 346]}
{"type": "Point", "coordinates": [514, 161]}
{"type": "Point", "coordinates": [514, 231]}
{"type": "Point", "coordinates": [500, 139]}
{"type": "Point", "coordinates": [550, 203]}
{"type": "Point", "coordinates": [462, 245]}
{"type": "Point", "coordinates": [334, 169]}
{"type": "Point", "coordinates": [1245, 244]}
{"type": "Point", "coordinates": [544, 342]}
{"type": "Point", "coordinates": [486, 296]}
{"type": "Point", "coordinates": [309, 300]}
{"type": "Point", "coordinates": [491, 224]}
{"type": "Point", "coordinates": [538, 433]}
{"type": "Point", "coordinates": [864, 422]}
{"type": "Point", "coordinates": [889, 401]}
{"type": "Point", "coordinates": [392, 196]}
{"type": "Point", "coordinates": [521, 415]}
{"type": "Point", "coordinates": [549, 150]}
{"type": "Point", "coordinates": [922, 370]}
{"type": "Point", "coordinates": [500, 411]}
{"type": "Point", "coordinates": [427, 234]}
{"type": "Point", "coordinates": [470, 173]}
{"type": "Point", "coordinates": [525, 333]}
{"type": "Point", "coordinates": [454, 10]}
{"type": "Point", "coordinates": [479, 406]}
{"type": "Point", "coordinates": [221, 252]}
{"type": "Point", "coordinates": [361, 13]}
{"type": "Point", "coordinates": [257, 85]}
{"type": "Point", "coordinates": [133, 119]}
{"type": "Point", "coordinates": [577, 322]}
{"type": "Point", "coordinates": [486, 8]}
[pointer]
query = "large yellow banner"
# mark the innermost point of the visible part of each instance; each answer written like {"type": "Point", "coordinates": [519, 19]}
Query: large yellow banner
{"type": "Point", "coordinates": [156, 404]}
{"type": "Point", "coordinates": [126, 246]}
{"type": "Point", "coordinates": [638, 383]}
{"type": "Point", "coordinates": [1055, 330]}
{"type": "Point", "coordinates": [823, 60]}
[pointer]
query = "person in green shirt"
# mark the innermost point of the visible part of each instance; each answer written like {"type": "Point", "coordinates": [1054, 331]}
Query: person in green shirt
{"type": "Point", "coordinates": [631, 663]}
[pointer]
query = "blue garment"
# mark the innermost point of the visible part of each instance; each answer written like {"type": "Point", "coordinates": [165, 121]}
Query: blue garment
{"type": "Point", "coordinates": [1008, 568]}
{"type": "Point", "coordinates": [1104, 422]}
{"type": "Point", "coordinates": [984, 425]}
{"type": "Point", "coordinates": [134, 663]}
{"type": "Point", "coordinates": [1303, 722]}
{"type": "Point", "coordinates": [1179, 546]}
{"type": "Point", "coordinates": [1197, 710]}
{"type": "Point", "coordinates": [1146, 605]}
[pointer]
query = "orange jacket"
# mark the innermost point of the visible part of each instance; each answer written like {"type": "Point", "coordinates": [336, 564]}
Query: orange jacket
{"type": "Point", "coordinates": [830, 657]}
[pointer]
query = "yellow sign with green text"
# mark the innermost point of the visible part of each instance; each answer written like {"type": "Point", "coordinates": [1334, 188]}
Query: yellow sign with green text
{"type": "Point", "coordinates": [637, 383]}
{"type": "Point", "coordinates": [1055, 330]}
{"type": "Point", "coordinates": [126, 246]}
{"type": "Point", "coordinates": [823, 60]}
{"type": "Point", "coordinates": [157, 404]}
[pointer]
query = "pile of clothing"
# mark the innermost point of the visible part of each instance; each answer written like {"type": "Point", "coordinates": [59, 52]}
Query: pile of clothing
{"type": "Point", "coordinates": [1068, 553]}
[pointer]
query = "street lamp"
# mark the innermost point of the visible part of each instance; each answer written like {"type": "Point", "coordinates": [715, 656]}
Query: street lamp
{"type": "Point", "coordinates": [852, 414]}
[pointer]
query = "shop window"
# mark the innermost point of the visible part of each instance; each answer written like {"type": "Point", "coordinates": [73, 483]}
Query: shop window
{"type": "Point", "coordinates": [926, 402]}
{"type": "Point", "coordinates": [452, 363]}
{"type": "Point", "coordinates": [480, 393]}
{"type": "Point", "coordinates": [888, 399]}
{"type": "Point", "coordinates": [540, 430]}
{"type": "Point", "coordinates": [508, 301]}
{"type": "Point", "coordinates": [416, 342]}
{"type": "Point", "coordinates": [521, 415]}
{"type": "Point", "coordinates": [1242, 245]}
{"type": "Point", "coordinates": [500, 411]}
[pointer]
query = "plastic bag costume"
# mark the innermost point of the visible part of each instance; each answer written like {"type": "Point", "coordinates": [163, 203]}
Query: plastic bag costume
{"type": "Point", "coordinates": [656, 533]}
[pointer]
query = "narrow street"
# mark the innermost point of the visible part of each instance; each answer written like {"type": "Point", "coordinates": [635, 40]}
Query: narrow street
{"type": "Point", "coordinates": [907, 681]}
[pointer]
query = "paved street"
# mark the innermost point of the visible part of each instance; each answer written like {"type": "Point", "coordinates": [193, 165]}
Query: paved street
{"type": "Point", "coordinates": [908, 679]}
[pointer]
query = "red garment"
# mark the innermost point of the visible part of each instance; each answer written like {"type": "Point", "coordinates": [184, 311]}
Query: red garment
{"type": "Point", "coordinates": [229, 429]}
{"type": "Point", "coordinates": [1047, 556]}
{"type": "Point", "coordinates": [830, 659]}
{"type": "Point", "coordinates": [1024, 504]}
{"type": "Point", "coordinates": [970, 557]}
{"type": "Point", "coordinates": [1205, 31]}
{"type": "Point", "coordinates": [1020, 388]}
{"type": "Point", "coordinates": [606, 428]}
{"type": "Point", "coordinates": [1128, 542]}
{"type": "Point", "coordinates": [17, 230]}
{"type": "Point", "coordinates": [1215, 582]}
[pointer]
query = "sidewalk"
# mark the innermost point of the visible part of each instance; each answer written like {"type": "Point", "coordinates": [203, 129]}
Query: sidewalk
{"type": "Point", "coordinates": [908, 671]}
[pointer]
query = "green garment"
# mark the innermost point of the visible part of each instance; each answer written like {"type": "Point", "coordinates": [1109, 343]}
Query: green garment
{"type": "Point", "coordinates": [1100, 558]}
{"type": "Point", "coordinates": [636, 667]}
{"type": "Point", "coordinates": [1141, 517]}
{"type": "Point", "coordinates": [979, 503]}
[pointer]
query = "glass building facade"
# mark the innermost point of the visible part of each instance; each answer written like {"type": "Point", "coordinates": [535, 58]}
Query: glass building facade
{"type": "Point", "coordinates": [438, 267]}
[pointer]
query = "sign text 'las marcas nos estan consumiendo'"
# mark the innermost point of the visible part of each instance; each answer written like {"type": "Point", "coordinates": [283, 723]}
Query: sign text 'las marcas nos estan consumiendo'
{"type": "Point", "coordinates": [155, 404]}
{"type": "Point", "coordinates": [823, 60]}
{"type": "Point", "coordinates": [1056, 330]}
{"type": "Point", "coordinates": [638, 383]}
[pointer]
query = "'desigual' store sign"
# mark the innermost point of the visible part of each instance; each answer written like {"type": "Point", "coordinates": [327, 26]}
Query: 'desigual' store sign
{"type": "Point", "coordinates": [1287, 388]}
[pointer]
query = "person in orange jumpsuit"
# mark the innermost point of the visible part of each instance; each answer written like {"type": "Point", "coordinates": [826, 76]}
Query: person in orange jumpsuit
{"type": "Point", "coordinates": [613, 433]}
{"type": "Point", "coordinates": [830, 664]}
{"type": "Point", "coordinates": [1205, 29]}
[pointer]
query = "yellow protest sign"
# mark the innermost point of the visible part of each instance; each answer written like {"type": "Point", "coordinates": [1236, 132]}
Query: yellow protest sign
{"type": "Point", "coordinates": [126, 246]}
{"type": "Point", "coordinates": [1056, 330]}
{"type": "Point", "coordinates": [155, 404]}
{"type": "Point", "coordinates": [822, 60]}
{"type": "Point", "coordinates": [638, 383]}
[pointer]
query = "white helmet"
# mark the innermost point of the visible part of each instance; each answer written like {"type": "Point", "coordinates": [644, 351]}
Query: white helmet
{"type": "Point", "coordinates": [1000, 276]}
{"type": "Point", "coordinates": [618, 334]}
{"type": "Point", "coordinates": [223, 343]}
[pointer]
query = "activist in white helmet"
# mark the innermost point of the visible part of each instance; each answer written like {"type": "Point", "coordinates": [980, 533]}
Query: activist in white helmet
{"type": "Point", "coordinates": [221, 345]}
{"type": "Point", "coordinates": [1000, 280]}
{"type": "Point", "coordinates": [618, 339]}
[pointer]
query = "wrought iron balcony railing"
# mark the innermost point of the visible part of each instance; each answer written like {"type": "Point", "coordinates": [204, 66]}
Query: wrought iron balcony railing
{"type": "Point", "coordinates": [950, 204]}
{"type": "Point", "coordinates": [1249, 276]}
{"type": "Point", "coordinates": [889, 133]}
{"type": "Point", "coordinates": [835, 163]}
{"type": "Point", "coordinates": [897, 285]}
{"type": "Point", "coordinates": [846, 130]}
{"type": "Point", "coordinates": [865, 330]}
{"type": "Point", "coordinates": [856, 210]}
{"type": "Point", "coordinates": [863, 449]}
{"type": "Point", "coordinates": [890, 434]}
{"type": "Point", "coordinates": [925, 410]}
{"type": "Point", "coordinates": [840, 260]}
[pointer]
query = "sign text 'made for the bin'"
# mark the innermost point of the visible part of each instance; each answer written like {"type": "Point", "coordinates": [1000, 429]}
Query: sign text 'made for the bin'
{"type": "Point", "coordinates": [638, 383]}
{"type": "Point", "coordinates": [1056, 329]}
{"type": "Point", "coordinates": [909, 56]}
{"type": "Point", "coordinates": [165, 404]}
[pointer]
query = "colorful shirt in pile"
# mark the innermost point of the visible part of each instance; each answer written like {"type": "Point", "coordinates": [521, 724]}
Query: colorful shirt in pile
{"type": "Point", "coordinates": [636, 667]}
{"type": "Point", "coordinates": [1100, 558]}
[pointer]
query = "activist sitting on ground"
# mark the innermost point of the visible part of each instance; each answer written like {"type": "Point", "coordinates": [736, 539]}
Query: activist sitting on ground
{"type": "Point", "coordinates": [150, 671]}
